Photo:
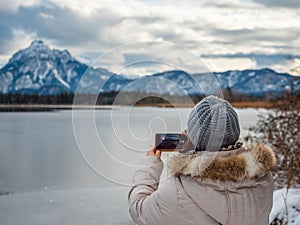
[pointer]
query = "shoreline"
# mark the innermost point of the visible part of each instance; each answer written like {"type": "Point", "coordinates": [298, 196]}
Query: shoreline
{"type": "Point", "coordinates": [47, 108]}
{"type": "Point", "coordinates": [44, 107]}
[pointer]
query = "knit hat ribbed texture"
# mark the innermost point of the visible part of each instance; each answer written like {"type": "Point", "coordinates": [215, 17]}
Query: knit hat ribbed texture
{"type": "Point", "coordinates": [213, 123]}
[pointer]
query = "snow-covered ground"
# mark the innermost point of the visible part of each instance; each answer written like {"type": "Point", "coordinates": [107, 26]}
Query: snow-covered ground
{"type": "Point", "coordinates": [66, 207]}
{"type": "Point", "coordinates": [283, 200]}
{"type": "Point", "coordinates": [101, 206]}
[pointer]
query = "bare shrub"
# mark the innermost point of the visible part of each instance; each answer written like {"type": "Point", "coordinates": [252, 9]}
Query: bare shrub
{"type": "Point", "coordinates": [280, 129]}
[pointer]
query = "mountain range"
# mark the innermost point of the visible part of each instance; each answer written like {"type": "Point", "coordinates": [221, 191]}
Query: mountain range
{"type": "Point", "coordinates": [44, 71]}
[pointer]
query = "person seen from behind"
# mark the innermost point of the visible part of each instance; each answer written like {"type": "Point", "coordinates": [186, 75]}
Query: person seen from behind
{"type": "Point", "coordinates": [217, 182]}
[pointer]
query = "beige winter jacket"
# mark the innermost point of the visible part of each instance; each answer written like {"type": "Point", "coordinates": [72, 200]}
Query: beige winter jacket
{"type": "Point", "coordinates": [234, 187]}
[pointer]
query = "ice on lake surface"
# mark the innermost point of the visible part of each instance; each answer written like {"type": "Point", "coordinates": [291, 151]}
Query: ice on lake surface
{"type": "Point", "coordinates": [56, 177]}
{"type": "Point", "coordinates": [68, 207]}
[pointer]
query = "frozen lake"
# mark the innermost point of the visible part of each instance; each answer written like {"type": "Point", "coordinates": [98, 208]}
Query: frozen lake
{"type": "Point", "coordinates": [82, 165]}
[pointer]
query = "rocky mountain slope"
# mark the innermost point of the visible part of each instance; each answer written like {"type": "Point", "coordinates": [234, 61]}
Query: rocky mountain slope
{"type": "Point", "coordinates": [41, 70]}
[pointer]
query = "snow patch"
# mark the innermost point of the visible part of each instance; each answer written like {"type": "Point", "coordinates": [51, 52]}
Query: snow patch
{"type": "Point", "coordinates": [56, 75]}
{"type": "Point", "coordinates": [290, 200]}
{"type": "Point", "coordinates": [251, 74]}
{"type": "Point", "coordinates": [25, 82]}
{"type": "Point", "coordinates": [103, 77]}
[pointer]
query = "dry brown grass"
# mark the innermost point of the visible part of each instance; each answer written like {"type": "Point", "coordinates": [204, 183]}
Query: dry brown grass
{"type": "Point", "coordinates": [164, 105]}
{"type": "Point", "coordinates": [260, 104]}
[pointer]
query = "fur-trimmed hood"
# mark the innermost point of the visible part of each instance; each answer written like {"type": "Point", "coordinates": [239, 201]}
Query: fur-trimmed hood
{"type": "Point", "coordinates": [234, 165]}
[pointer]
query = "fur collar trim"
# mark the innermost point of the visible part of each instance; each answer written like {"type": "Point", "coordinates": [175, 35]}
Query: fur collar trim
{"type": "Point", "coordinates": [234, 165]}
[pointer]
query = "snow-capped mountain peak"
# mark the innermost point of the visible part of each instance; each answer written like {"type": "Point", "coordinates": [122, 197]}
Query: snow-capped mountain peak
{"type": "Point", "coordinates": [38, 69]}
{"type": "Point", "coordinates": [41, 70]}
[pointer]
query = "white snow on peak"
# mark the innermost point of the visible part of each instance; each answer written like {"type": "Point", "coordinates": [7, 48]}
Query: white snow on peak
{"type": "Point", "coordinates": [60, 79]}
{"type": "Point", "coordinates": [251, 74]}
{"type": "Point", "coordinates": [233, 78]}
{"type": "Point", "coordinates": [25, 82]}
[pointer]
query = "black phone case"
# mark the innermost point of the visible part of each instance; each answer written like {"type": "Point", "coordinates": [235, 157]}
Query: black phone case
{"type": "Point", "coordinates": [170, 141]}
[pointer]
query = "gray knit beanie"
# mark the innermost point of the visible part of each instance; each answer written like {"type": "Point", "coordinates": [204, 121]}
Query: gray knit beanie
{"type": "Point", "coordinates": [212, 124]}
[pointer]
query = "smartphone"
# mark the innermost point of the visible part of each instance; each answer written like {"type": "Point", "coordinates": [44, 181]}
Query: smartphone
{"type": "Point", "coordinates": [170, 141]}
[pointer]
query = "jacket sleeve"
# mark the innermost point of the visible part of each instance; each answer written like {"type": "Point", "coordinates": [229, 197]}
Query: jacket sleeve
{"type": "Point", "coordinates": [149, 204]}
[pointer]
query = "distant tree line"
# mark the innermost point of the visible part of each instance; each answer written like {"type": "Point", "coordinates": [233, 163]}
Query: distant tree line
{"type": "Point", "coordinates": [63, 98]}
{"type": "Point", "coordinates": [127, 98]}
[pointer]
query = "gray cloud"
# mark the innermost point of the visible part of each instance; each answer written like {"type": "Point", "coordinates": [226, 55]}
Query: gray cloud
{"type": "Point", "coordinates": [261, 59]}
{"type": "Point", "coordinates": [259, 34]}
{"type": "Point", "coordinates": [6, 35]}
{"type": "Point", "coordinates": [280, 3]}
{"type": "Point", "coordinates": [65, 26]}
{"type": "Point", "coordinates": [5, 30]}
{"type": "Point", "coordinates": [279, 39]}
{"type": "Point", "coordinates": [61, 25]}
{"type": "Point", "coordinates": [230, 27]}
{"type": "Point", "coordinates": [242, 4]}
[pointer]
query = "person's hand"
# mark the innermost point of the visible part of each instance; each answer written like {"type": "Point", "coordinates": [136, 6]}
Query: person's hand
{"type": "Point", "coordinates": [186, 145]}
{"type": "Point", "coordinates": [154, 151]}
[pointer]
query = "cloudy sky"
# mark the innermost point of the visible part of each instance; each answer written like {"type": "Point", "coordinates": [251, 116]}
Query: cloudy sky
{"type": "Point", "coordinates": [229, 35]}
